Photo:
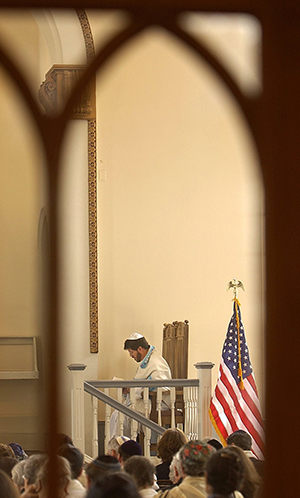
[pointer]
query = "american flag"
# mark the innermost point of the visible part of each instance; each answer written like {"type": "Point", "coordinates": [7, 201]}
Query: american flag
{"type": "Point", "coordinates": [235, 403]}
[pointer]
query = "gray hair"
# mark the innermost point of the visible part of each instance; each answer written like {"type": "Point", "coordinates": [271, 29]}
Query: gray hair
{"type": "Point", "coordinates": [63, 473]}
{"type": "Point", "coordinates": [175, 464]}
{"type": "Point", "coordinates": [33, 465]}
{"type": "Point", "coordinates": [17, 473]}
{"type": "Point", "coordinates": [115, 442]}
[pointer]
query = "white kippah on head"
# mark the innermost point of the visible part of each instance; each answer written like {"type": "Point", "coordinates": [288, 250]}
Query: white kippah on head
{"type": "Point", "coordinates": [135, 336]}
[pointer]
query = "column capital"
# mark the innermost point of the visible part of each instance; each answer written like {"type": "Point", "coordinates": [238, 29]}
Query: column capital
{"type": "Point", "coordinates": [204, 365]}
{"type": "Point", "coordinates": [58, 85]}
{"type": "Point", "coordinates": [77, 366]}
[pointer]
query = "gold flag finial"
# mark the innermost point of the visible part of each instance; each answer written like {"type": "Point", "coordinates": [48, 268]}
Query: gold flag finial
{"type": "Point", "coordinates": [234, 283]}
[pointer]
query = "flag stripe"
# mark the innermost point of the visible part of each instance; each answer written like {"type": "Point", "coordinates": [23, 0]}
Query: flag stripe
{"type": "Point", "coordinates": [238, 397]}
{"type": "Point", "coordinates": [243, 412]}
{"type": "Point", "coordinates": [232, 407]}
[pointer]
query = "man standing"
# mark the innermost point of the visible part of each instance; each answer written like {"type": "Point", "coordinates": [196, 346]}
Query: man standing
{"type": "Point", "coordinates": [152, 366]}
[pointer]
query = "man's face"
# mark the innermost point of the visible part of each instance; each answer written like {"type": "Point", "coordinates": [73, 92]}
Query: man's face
{"type": "Point", "coordinates": [136, 354]}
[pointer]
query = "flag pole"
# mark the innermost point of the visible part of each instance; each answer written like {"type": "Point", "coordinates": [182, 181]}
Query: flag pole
{"type": "Point", "coordinates": [235, 284]}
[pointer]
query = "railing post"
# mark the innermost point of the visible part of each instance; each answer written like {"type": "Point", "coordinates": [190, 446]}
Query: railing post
{"type": "Point", "coordinates": [95, 448]}
{"type": "Point", "coordinates": [77, 405]}
{"type": "Point", "coordinates": [204, 375]}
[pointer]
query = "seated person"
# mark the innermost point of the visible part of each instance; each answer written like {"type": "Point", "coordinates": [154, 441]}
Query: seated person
{"type": "Point", "coordinates": [114, 444]}
{"type": "Point", "coordinates": [243, 440]}
{"type": "Point", "coordinates": [128, 449]}
{"type": "Point", "coordinates": [63, 478]}
{"type": "Point", "coordinates": [32, 467]}
{"type": "Point", "coordinates": [114, 486]}
{"type": "Point", "coordinates": [17, 473]}
{"type": "Point", "coordinates": [175, 473]}
{"type": "Point", "coordinates": [224, 475]}
{"type": "Point", "coordinates": [170, 442]}
{"type": "Point", "coordinates": [7, 464]}
{"type": "Point", "coordinates": [193, 457]}
{"type": "Point", "coordinates": [101, 466]}
{"type": "Point", "coordinates": [152, 366]}
{"type": "Point", "coordinates": [75, 459]}
{"type": "Point", "coordinates": [18, 451]}
{"type": "Point", "coordinates": [141, 469]}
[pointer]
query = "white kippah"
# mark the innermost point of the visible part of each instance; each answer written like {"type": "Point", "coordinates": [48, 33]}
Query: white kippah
{"type": "Point", "coordinates": [135, 336]}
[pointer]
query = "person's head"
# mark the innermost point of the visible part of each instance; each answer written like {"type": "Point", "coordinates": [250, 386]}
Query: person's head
{"type": "Point", "coordinates": [170, 442]}
{"type": "Point", "coordinates": [62, 438]}
{"type": "Point", "coordinates": [101, 466]}
{"type": "Point", "coordinates": [141, 469]}
{"type": "Point", "coordinates": [7, 464]}
{"type": "Point", "coordinates": [114, 486]}
{"type": "Point", "coordinates": [241, 439]}
{"type": "Point", "coordinates": [137, 347]}
{"type": "Point", "coordinates": [251, 479]}
{"type": "Point", "coordinates": [114, 444]}
{"type": "Point", "coordinates": [215, 443]}
{"type": "Point", "coordinates": [7, 487]}
{"type": "Point", "coordinates": [6, 451]}
{"type": "Point", "coordinates": [224, 473]}
{"type": "Point", "coordinates": [32, 466]}
{"type": "Point", "coordinates": [194, 456]}
{"type": "Point", "coordinates": [175, 472]}
{"type": "Point", "coordinates": [74, 457]}
{"type": "Point", "coordinates": [18, 451]}
{"type": "Point", "coordinates": [17, 474]}
{"type": "Point", "coordinates": [63, 478]}
{"type": "Point", "coordinates": [128, 449]}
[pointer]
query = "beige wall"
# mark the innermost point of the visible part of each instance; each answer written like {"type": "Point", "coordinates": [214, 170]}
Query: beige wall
{"type": "Point", "coordinates": [19, 215]}
{"type": "Point", "coordinates": [180, 206]}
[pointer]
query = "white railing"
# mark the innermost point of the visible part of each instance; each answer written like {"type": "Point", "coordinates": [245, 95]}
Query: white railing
{"type": "Point", "coordinates": [196, 398]}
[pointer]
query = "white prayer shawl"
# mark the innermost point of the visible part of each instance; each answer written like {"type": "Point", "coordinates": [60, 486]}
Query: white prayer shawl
{"type": "Point", "coordinates": [152, 367]}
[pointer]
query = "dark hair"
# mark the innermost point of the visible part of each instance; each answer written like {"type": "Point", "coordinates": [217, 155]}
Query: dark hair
{"type": "Point", "coordinates": [74, 457]}
{"type": "Point", "coordinates": [215, 443]}
{"type": "Point", "coordinates": [62, 438]}
{"type": "Point", "coordinates": [7, 464]}
{"type": "Point", "coordinates": [251, 479]}
{"type": "Point", "coordinates": [114, 486]}
{"type": "Point", "coordinates": [170, 442]}
{"type": "Point", "coordinates": [136, 343]}
{"type": "Point", "coordinates": [129, 448]}
{"type": "Point", "coordinates": [6, 451]}
{"type": "Point", "coordinates": [241, 439]}
{"type": "Point", "coordinates": [224, 472]}
{"type": "Point", "coordinates": [141, 469]}
{"type": "Point", "coordinates": [101, 466]}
